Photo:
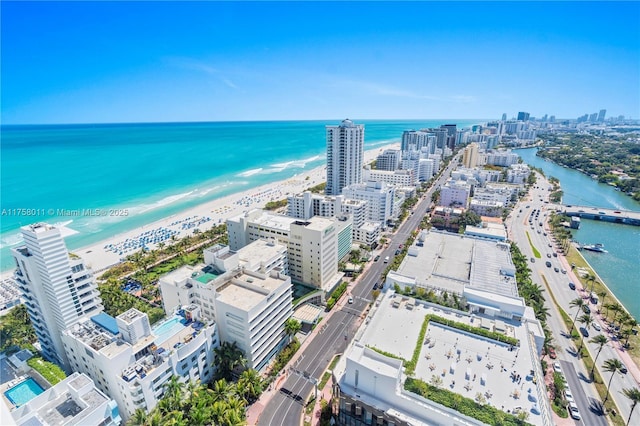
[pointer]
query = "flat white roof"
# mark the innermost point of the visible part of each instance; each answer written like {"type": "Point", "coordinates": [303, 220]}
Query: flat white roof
{"type": "Point", "coordinates": [246, 291]}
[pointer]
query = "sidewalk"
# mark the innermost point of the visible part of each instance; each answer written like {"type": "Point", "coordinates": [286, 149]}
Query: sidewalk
{"type": "Point", "coordinates": [255, 410]}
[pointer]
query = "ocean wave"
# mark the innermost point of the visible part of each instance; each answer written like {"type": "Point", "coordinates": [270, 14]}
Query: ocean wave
{"type": "Point", "coordinates": [160, 203]}
{"type": "Point", "coordinates": [11, 240]}
{"type": "Point", "coordinates": [250, 172]}
{"type": "Point", "coordinates": [383, 142]}
{"type": "Point", "coordinates": [301, 164]}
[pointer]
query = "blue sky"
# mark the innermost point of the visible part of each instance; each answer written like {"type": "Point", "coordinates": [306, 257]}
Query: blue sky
{"type": "Point", "coordinates": [89, 62]}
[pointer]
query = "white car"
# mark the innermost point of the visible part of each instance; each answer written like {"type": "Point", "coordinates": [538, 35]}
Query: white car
{"type": "Point", "coordinates": [573, 410]}
{"type": "Point", "coordinates": [556, 367]}
{"type": "Point", "coordinates": [350, 299]}
{"type": "Point", "coordinates": [596, 326]}
{"type": "Point", "coordinates": [568, 395]}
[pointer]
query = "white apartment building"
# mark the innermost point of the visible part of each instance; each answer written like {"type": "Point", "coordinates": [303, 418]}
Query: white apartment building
{"type": "Point", "coordinates": [502, 158]}
{"type": "Point", "coordinates": [246, 292]}
{"type": "Point", "coordinates": [455, 193]}
{"type": "Point", "coordinates": [313, 244]}
{"type": "Point", "coordinates": [379, 197]}
{"type": "Point", "coordinates": [131, 362]}
{"type": "Point", "coordinates": [345, 155]}
{"type": "Point", "coordinates": [518, 174]}
{"type": "Point", "coordinates": [251, 310]}
{"type": "Point", "coordinates": [58, 289]}
{"type": "Point", "coordinates": [426, 169]}
{"type": "Point", "coordinates": [489, 208]}
{"type": "Point", "coordinates": [395, 177]}
{"type": "Point", "coordinates": [73, 401]}
{"type": "Point", "coordinates": [494, 193]}
{"type": "Point", "coordinates": [389, 160]}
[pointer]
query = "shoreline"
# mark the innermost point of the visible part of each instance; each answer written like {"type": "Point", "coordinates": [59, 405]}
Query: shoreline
{"type": "Point", "coordinates": [112, 250]}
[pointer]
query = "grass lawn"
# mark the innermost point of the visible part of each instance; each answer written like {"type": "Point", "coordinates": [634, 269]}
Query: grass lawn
{"type": "Point", "coordinates": [536, 253]}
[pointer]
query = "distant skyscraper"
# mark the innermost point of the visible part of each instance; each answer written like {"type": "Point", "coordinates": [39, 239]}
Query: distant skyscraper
{"type": "Point", "coordinates": [601, 115]}
{"type": "Point", "coordinates": [593, 117]}
{"type": "Point", "coordinates": [345, 154]}
{"type": "Point", "coordinates": [58, 289]}
{"type": "Point", "coordinates": [414, 140]}
{"type": "Point", "coordinates": [523, 116]}
{"type": "Point", "coordinates": [504, 117]}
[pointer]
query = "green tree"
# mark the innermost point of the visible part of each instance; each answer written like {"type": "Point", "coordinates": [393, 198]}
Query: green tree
{"type": "Point", "coordinates": [139, 418]}
{"type": "Point", "coordinates": [576, 303]}
{"type": "Point", "coordinates": [250, 385]}
{"type": "Point", "coordinates": [228, 357]}
{"type": "Point", "coordinates": [599, 340]}
{"type": "Point", "coordinates": [291, 327]}
{"type": "Point", "coordinates": [634, 396]}
{"type": "Point", "coordinates": [612, 365]}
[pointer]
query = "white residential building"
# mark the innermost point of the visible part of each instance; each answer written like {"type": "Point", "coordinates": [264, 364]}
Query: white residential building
{"type": "Point", "coordinates": [73, 401]}
{"type": "Point", "coordinates": [518, 174]}
{"type": "Point", "coordinates": [455, 193]}
{"type": "Point", "coordinates": [313, 244]}
{"type": "Point", "coordinates": [389, 160]}
{"type": "Point", "coordinates": [426, 169]}
{"type": "Point", "coordinates": [395, 177]}
{"type": "Point", "coordinates": [345, 155]}
{"type": "Point", "coordinates": [131, 362]}
{"type": "Point", "coordinates": [502, 158]}
{"type": "Point", "coordinates": [415, 140]}
{"type": "Point", "coordinates": [379, 197]}
{"type": "Point", "coordinates": [58, 289]}
{"type": "Point", "coordinates": [489, 208]}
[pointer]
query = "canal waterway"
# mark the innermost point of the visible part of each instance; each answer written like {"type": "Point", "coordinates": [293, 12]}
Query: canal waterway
{"type": "Point", "coordinates": [619, 268]}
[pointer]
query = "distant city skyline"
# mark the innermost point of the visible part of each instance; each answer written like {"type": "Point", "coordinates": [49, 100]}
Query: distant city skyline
{"type": "Point", "coordinates": [107, 62]}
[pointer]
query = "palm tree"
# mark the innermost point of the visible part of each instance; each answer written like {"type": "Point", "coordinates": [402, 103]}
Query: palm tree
{"type": "Point", "coordinates": [577, 303]}
{"type": "Point", "coordinates": [587, 320]}
{"type": "Point", "coordinates": [634, 395]}
{"type": "Point", "coordinates": [612, 366]}
{"type": "Point", "coordinates": [139, 418]}
{"type": "Point", "coordinates": [221, 390]}
{"type": "Point", "coordinates": [592, 279]}
{"type": "Point", "coordinates": [250, 385]}
{"type": "Point", "coordinates": [228, 356]}
{"type": "Point", "coordinates": [291, 327]}
{"type": "Point", "coordinates": [603, 295]}
{"type": "Point", "coordinates": [599, 340]}
{"type": "Point", "coordinates": [174, 392]}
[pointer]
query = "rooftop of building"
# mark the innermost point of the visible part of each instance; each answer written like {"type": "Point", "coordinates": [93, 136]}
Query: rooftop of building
{"type": "Point", "coordinates": [461, 362]}
{"type": "Point", "coordinates": [245, 291]}
{"type": "Point", "coordinates": [450, 262]}
{"type": "Point", "coordinates": [259, 251]}
{"type": "Point", "coordinates": [58, 405]}
{"type": "Point", "coordinates": [275, 221]}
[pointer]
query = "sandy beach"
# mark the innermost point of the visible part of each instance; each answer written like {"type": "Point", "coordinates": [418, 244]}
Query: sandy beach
{"type": "Point", "coordinates": [109, 252]}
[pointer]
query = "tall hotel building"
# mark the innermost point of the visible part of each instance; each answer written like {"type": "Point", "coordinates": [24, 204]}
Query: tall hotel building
{"type": "Point", "coordinates": [58, 289]}
{"type": "Point", "coordinates": [345, 154]}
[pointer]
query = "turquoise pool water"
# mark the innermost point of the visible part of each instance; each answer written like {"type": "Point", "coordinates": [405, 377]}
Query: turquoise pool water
{"type": "Point", "coordinates": [24, 392]}
{"type": "Point", "coordinates": [167, 329]}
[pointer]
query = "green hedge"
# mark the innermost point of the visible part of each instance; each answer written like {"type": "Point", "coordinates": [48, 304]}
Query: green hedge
{"type": "Point", "coordinates": [411, 365]}
{"type": "Point", "coordinates": [336, 294]}
{"type": "Point", "coordinates": [485, 413]}
{"type": "Point", "coordinates": [51, 372]}
{"type": "Point", "coordinates": [475, 330]}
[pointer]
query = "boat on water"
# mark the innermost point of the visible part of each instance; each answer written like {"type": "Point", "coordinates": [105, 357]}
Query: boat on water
{"type": "Point", "coordinates": [594, 247]}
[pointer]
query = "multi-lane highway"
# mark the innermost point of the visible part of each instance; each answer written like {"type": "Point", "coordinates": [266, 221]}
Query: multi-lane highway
{"type": "Point", "coordinates": [558, 276]}
{"type": "Point", "coordinates": [331, 336]}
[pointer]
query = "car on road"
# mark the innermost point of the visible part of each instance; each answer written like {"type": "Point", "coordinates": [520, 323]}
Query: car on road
{"type": "Point", "coordinates": [557, 368]}
{"type": "Point", "coordinates": [623, 369]}
{"type": "Point", "coordinates": [586, 309]}
{"type": "Point", "coordinates": [549, 255]}
{"type": "Point", "coordinates": [572, 286]}
{"type": "Point", "coordinates": [397, 252]}
{"type": "Point", "coordinates": [596, 326]}
{"type": "Point", "coordinates": [376, 258]}
{"type": "Point", "coordinates": [386, 259]}
{"type": "Point", "coordinates": [564, 271]}
{"type": "Point", "coordinates": [548, 264]}
{"type": "Point", "coordinates": [555, 254]}
{"type": "Point", "coordinates": [350, 300]}
{"type": "Point", "coordinates": [556, 269]}
{"type": "Point", "coordinates": [533, 260]}
{"type": "Point", "coordinates": [573, 410]}
{"type": "Point", "coordinates": [568, 395]}
{"type": "Point", "coordinates": [584, 331]}
{"type": "Point", "coordinates": [550, 245]}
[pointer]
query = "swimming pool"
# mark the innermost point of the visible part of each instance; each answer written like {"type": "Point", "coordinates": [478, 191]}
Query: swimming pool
{"type": "Point", "coordinates": [168, 328]}
{"type": "Point", "coordinates": [24, 392]}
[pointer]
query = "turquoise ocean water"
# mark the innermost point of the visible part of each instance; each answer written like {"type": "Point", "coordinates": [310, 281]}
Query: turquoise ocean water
{"type": "Point", "coordinates": [154, 170]}
{"type": "Point", "coordinates": [618, 268]}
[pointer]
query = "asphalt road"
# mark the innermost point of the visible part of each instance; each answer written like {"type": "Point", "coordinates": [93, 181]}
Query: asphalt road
{"type": "Point", "coordinates": [332, 337]}
{"type": "Point", "coordinates": [590, 408]}
{"type": "Point", "coordinates": [559, 284]}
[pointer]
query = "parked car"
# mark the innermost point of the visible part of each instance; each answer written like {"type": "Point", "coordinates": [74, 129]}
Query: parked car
{"type": "Point", "coordinates": [552, 352]}
{"type": "Point", "coordinates": [350, 299]}
{"type": "Point", "coordinates": [568, 395]}
{"type": "Point", "coordinates": [584, 331]}
{"type": "Point", "coordinates": [572, 286]}
{"type": "Point", "coordinates": [596, 326]}
{"type": "Point", "coordinates": [376, 258]}
{"type": "Point", "coordinates": [556, 367]}
{"type": "Point", "coordinates": [573, 410]}
{"type": "Point", "coordinates": [586, 309]}
{"type": "Point", "coordinates": [623, 369]}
